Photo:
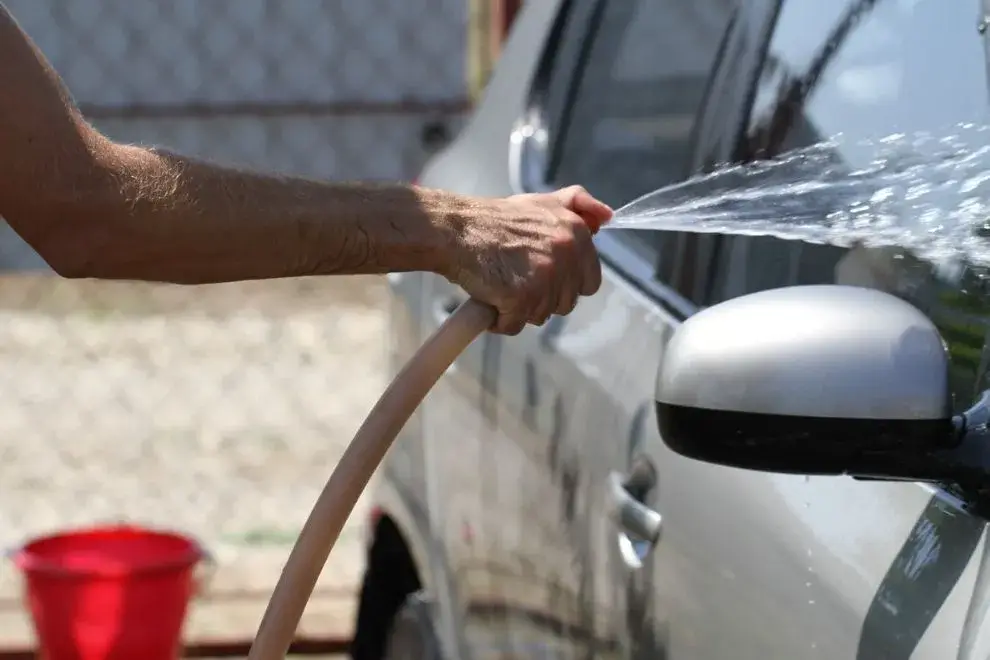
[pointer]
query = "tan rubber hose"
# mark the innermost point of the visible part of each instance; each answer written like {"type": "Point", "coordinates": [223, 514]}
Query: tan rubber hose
{"type": "Point", "coordinates": [352, 473]}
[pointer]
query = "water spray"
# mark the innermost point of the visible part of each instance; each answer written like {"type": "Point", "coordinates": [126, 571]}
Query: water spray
{"type": "Point", "coordinates": [924, 193]}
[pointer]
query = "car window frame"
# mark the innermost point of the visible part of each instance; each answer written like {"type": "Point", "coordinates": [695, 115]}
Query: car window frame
{"type": "Point", "coordinates": [721, 122]}
{"type": "Point", "coordinates": [533, 146]}
{"type": "Point", "coordinates": [722, 118]}
{"type": "Point", "coordinates": [739, 124]}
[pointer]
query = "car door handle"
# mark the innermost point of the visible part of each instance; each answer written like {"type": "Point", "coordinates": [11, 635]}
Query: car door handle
{"type": "Point", "coordinates": [639, 525]}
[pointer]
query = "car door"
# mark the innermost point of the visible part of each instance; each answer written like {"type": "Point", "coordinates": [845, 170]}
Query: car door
{"type": "Point", "coordinates": [622, 125]}
{"type": "Point", "coordinates": [755, 565]}
{"type": "Point", "coordinates": [496, 550]}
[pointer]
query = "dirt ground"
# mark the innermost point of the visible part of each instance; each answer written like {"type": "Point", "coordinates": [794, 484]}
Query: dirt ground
{"type": "Point", "coordinates": [218, 411]}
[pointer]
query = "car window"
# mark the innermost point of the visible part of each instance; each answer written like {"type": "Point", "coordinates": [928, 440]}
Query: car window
{"type": "Point", "coordinates": [632, 107]}
{"type": "Point", "coordinates": [863, 69]}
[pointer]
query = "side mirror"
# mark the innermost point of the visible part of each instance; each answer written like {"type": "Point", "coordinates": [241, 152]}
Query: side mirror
{"type": "Point", "coordinates": [810, 380]}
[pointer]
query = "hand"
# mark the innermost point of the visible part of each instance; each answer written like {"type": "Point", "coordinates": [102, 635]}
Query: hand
{"type": "Point", "coordinates": [529, 256]}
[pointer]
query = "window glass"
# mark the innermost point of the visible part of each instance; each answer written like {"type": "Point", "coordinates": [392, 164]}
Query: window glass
{"type": "Point", "coordinates": [860, 69]}
{"type": "Point", "coordinates": [633, 107]}
{"type": "Point", "coordinates": [896, 66]}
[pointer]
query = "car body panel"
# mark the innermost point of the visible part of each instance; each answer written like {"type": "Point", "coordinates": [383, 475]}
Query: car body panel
{"type": "Point", "coordinates": [400, 489]}
{"type": "Point", "coordinates": [458, 465]}
{"type": "Point", "coordinates": [517, 443]}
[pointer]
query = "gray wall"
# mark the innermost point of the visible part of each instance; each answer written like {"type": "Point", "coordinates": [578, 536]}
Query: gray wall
{"type": "Point", "coordinates": [325, 88]}
{"type": "Point", "coordinates": [180, 51]}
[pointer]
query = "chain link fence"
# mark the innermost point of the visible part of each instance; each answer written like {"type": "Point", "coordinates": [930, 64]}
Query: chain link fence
{"type": "Point", "coordinates": [219, 410]}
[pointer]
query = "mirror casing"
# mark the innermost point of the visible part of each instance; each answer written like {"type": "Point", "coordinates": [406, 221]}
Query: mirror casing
{"type": "Point", "coordinates": [811, 379]}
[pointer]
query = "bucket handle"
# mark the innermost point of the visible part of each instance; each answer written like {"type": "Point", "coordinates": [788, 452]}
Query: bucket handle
{"type": "Point", "coordinates": [206, 570]}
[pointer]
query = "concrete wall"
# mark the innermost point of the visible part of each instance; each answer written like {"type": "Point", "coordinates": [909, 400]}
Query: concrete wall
{"type": "Point", "coordinates": [223, 51]}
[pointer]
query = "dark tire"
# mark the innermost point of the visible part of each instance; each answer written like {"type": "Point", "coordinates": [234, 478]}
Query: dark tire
{"type": "Point", "coordinates": [389, 579]}
{"type": "Point", "coordinates": [413, 636]}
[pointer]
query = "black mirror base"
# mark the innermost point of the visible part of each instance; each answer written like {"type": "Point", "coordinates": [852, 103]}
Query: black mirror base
{"type": "Point", "coordinates": [886, 449]}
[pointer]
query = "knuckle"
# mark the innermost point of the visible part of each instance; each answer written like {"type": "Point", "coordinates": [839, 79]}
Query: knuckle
{"type": "Point", "coordinates": [563, 196]}
{"type": "Point", "coordinates": [563, 242]}
{"type": "Point", "coordinates": [568, 230]}
{"type": "Point", "coordinates": [570, 220]}
{"type": "Point", "coordinates": [568, 195]}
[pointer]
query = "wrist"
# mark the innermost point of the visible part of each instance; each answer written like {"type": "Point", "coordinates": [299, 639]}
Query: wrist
{"type": "Point", "coordinates": [391, 228]}
{"type": "Point", "coordinates": [448, 218]}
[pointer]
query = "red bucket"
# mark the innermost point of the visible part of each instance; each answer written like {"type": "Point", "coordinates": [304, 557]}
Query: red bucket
{"type": "Point", "coordinates": [109, 593]}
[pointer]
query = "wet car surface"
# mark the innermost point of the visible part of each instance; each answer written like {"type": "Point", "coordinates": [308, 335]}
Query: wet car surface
{"type": "Point", "coordinates": [498, 502]}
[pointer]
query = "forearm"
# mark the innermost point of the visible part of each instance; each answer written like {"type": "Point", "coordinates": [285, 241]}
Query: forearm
{"type": "Point", "coordinates": [93, 208]}
{"type": "Point", "coordinates": [151, 215]}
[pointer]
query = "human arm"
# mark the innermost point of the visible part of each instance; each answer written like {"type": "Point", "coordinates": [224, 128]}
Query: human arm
{"type": "Point", "coordinates": [92, 207]}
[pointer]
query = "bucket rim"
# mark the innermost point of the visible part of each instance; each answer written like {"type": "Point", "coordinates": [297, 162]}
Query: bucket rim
{"type": "Point", "coordinates": [29, 563]}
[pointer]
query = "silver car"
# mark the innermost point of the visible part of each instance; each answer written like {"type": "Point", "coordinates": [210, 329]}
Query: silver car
{"type": "Point", "coordinates": [808, 497]}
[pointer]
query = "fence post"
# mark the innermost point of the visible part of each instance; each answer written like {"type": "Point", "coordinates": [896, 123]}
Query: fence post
{"type": "Point", "coordinates": [478, 52]}
{"type": "Point", "coordinates": [489, 22]}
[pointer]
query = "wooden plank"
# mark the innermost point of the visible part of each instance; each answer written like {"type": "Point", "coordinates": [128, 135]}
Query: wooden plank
{"type": "Point", "coordinates": [326, 617]}
{"type": "Point", "coordinates": [219, 620]}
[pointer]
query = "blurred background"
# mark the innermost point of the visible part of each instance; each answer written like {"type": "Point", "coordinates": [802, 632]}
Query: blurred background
{"type": "Point", "coordinates": [219, 411]}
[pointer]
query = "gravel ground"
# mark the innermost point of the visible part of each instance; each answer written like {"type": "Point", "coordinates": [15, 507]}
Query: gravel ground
{"type": "Point", "coordinates": [217, 410]}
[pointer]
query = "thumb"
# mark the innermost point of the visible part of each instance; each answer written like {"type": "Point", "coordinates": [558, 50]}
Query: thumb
{"type": "Point", "coordinates": [595, 213]}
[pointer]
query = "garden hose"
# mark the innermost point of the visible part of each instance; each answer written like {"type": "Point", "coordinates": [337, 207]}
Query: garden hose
{"type": "Point", "coordinates": [352, 473]}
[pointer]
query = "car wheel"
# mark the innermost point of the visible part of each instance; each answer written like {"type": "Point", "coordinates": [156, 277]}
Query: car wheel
{"type": "Point", "coordinates": [412, 636]}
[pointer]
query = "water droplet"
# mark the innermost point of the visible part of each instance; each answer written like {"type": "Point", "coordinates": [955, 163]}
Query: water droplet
{"type": "Point", "coordinates": [811, 602]}
{"type": "Point", "coordinates": [807, 584]}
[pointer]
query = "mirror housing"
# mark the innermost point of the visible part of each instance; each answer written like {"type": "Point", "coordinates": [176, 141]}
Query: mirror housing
{"type": "Point", "coordinates": [809, 380]}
